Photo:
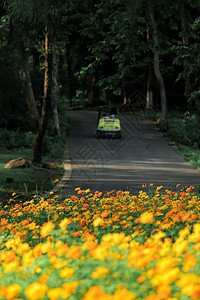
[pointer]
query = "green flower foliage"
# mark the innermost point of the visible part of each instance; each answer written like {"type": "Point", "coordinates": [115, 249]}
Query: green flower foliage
{"type": "Point", "coordinates": [106, 246]}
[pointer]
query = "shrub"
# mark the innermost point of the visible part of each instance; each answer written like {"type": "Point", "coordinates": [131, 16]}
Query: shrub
{"type": "Point", "coordinates": [185, 131]}
{"type": "Point", "coordinates": [15, 139]}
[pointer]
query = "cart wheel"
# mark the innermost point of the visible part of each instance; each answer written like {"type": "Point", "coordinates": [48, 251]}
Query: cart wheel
{"type": "Point", "coordinates": [119, 136]}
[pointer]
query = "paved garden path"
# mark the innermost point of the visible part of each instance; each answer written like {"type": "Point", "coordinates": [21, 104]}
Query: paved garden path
{"type": "Point", "coordinates": [142, 156]}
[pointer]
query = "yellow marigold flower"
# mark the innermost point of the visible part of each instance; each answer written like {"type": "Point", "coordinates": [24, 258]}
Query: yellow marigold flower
{"type": "Point", "coordinates": [99, 272]}
{"type": "Point", "coordinates": [168, 277]}
{"type": "Point", "coordinates": [54, 293]}
{"type": "Point", "coordinates": [9, 267]}
{"type": "Point", "coordinates": [64, 223]}
{"type": "Point", "coordinates": [159, 235]}
{"type": "Point", "coordinates": [194, 237]}
{"type": "Point", "coordinates": [166, 247]}
{"type": "Point", "coordinates": [47, 228]}
{"type": "Point", "coordinates": [97, 222]}
{"type": "Point", "coordinates": [23, 248]}
{"type": "Point", "coordinates": [46, 247]}
{"type": "Point", "coordinates": [66, 272]}
{"type": "Point", "coordinates": [147, 217]}
{"type": "Point", "coordinates": [184, 232]}
{"type": "Point", "coordinates": [122, 293]}
{"type": "Point", "coordinates": [13, 291]}
{"type": "Point", "coordinates": [68, 289]}
{"type": "Point", "coordinates": [166, 263]}
{"type": "Point", "coordinates": [59, 263]}
{"type": "Point", "coordinates": [99, 252]}
{"type": "Point", "coordinates": [27, 258]}
{"type": "Point", "coordinates": [187, 279]}
{"type": "Point", "coordinates": [10, 243]}
{"type": "Point", "coordinates": [37, 250]}
{"type": "Point", "coordinates": [36, 291]}
{"type": "Point", "coordinates": [180, 246]}
{"type": "Point", "coordinates": [118, 237]}
{"type": "Point", "coordinates": [159, 188]}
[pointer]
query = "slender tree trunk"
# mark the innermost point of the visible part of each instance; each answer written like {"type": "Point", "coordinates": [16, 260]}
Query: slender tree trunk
{"type": "Point", "coordinates": [38, 141]}
{"type": "Point", "coordinates": [92, 92]}
{"type": "Point", "coordinates": [30, 98]}
{"type": "Point", "coordinates": [149, 97]}
{"type": "Point", "coordinates": [157, 71]}
{"type": "Point", "coordinates": [185, 41]}
{"type": "Point", "coordinates": [70, 76]}
{"type": "Point", "coordinates": [55, 98]}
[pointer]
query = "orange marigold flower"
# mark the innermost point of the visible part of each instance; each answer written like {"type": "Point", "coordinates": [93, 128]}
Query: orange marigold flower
{"type": "Point", "coordinates": [105, 213]}
{"type": "Point", "coordinates": [141, 278]}
{"type": "Point", "coordinates": [123, 293]}
{"type": "Point", "coordinates": [73, 252]}
{"type": "Point", "coordinates": [68, 288]}
{"type": "Point", "coordinates": [118, 192]}
{"type": "Point", "coordinates": [95, 292]}
{"type": "Point", "coordinates": [43, 278]}
{"type": "Point", "coordinates": [189, 261]}
{"type": "Point", "coordinates": [164, 291]}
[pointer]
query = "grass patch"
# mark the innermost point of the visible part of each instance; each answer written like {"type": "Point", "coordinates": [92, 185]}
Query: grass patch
{"type": "Point", "coordinates": [27, 180]}
{"type": "Point", "coordinates": [39, 178]}
{"type": "Point", "coordinates": [191, 155]}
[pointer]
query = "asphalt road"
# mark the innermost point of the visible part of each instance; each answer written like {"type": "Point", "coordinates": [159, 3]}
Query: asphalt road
{"type": "Point", "coordinates": [142, 156]}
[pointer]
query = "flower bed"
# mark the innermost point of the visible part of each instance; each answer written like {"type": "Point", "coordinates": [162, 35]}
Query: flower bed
{"type": "Point", "coordinates": [102, 246]}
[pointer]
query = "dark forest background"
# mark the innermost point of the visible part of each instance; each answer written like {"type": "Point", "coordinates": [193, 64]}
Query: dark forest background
{"type": "Point", "coordinates": [58, 54]}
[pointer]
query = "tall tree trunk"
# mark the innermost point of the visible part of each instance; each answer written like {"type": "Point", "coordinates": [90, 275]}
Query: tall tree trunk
{"type": "Point", "coordinates": [149, 97]}
{"type": "Point", "coordinates": [72, 89]}
{"type": "Point", "coordinates": [38, 141]}
{"type": "Point", "coordinates": [92, 88]}
{"type": "Point", "coordinates": [30, 98]}
{"type": "Point", "coordinates": [185, 41]}
{"type": "Point", "coordinates": [55, 97]}
{"type": "Point", "coordinates": [158, 74]}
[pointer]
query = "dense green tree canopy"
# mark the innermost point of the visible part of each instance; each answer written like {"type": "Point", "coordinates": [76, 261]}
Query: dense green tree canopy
{"type": "Point", "coordinates": [101, 51]}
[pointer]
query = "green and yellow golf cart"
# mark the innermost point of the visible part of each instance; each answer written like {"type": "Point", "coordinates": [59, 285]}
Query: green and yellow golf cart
{"type": "Point", "coordinates": [108, 123]}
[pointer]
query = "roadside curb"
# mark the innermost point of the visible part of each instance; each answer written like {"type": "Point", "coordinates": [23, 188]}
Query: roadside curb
{"type": "Point", "coordinates": [67, 167]}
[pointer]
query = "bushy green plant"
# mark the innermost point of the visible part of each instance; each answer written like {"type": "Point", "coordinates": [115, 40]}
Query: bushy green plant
{"type": "Point", "coordinates": [185, 130]}
{"type": "Point", "coordinates": [15, 139]}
